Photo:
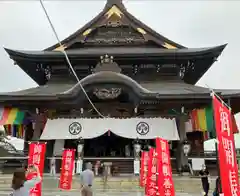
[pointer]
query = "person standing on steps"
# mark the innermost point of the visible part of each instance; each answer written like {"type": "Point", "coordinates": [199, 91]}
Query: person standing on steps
{"type": "Point", "coordinates": [204, 174]}
{"type": "Point", "coordinates": [86, 180]}
{"type": "Point", "coordinates": [96, 167]}
{"type": "Point", "coordinates": [53, 166]}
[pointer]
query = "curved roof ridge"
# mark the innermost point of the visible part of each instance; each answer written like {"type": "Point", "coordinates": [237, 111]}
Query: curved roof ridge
{"type": "Point", "coordinates": [105, 76]}
{"type": "Point", "coordinates": [109, 4]}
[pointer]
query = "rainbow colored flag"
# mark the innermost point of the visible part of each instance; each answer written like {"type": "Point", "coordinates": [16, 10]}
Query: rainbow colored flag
{"type": "Point", "coordinates": [202, 120]}
{"type": "Point", "coordinates": [11, 116]}
{"type": "Point", "coordinates": [15, 130]}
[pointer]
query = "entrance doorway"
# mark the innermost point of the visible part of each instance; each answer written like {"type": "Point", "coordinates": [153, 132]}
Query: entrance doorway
{"type": "Point", "coordinates": [108, 145]}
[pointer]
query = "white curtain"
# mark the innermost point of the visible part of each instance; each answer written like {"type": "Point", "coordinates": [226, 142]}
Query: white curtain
{"type": "Point", "coordinates": [142, 128]}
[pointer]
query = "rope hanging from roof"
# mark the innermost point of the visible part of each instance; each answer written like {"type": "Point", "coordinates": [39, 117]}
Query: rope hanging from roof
{"type": "Point", "coordinates": [67, 59]}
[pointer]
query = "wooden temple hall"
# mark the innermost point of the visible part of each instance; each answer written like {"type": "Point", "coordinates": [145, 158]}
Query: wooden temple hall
{"type": "Point", "coordinates": [141, 81]}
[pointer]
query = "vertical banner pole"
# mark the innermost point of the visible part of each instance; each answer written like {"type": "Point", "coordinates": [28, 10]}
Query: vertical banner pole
{"type": "Point", "coordinates": [216, 146]}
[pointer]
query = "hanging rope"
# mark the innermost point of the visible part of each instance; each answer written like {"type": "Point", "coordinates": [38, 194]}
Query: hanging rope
{"type": "Point", "coordinates": [68, 61]}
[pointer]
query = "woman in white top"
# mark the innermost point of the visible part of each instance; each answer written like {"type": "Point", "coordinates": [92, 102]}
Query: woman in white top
{"type": "Point", "coordinates": [21, 186]}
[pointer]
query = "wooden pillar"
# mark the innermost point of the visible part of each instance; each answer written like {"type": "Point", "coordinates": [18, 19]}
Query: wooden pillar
{"type": "Point", "coordinates": [58, 147]}
{"type": "Point", "coordinates": [80, 143]}
{"type": "Point", "coordinates": [37, 131]}
{"type": "Point", "coordinates": [28, 134]}
{"type": "Point", "coordinates": [181, 159]}
{"type": "Point", "coordinates": [38, 126]}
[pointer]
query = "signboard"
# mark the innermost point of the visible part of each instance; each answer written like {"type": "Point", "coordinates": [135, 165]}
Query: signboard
{"type": "Point", "coordinates": [165, 181]}
{"type": "Point", "coordinates": [36, 157]}
{"type": "Point", "coordinates": [226, 148]}
{"type": "Point", "coordinates": [67, 169]}
{"type": "Point", "coordinates": [144, 168]}
{"type": "Point", "coordinates": [151, 185]}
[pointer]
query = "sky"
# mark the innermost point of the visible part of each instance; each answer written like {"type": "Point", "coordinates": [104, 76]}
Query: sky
{"type": "Point", "coordinates": [191, 23]}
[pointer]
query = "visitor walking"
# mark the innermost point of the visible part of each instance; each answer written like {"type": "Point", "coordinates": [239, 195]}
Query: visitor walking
{"type": "Point", "coordinates": [217, 188]}
{"type": "Point", "coordinates": [96, 167]}
{"type": "Point", "coordinates": [79, 165]}
{"type": "Point", "coordinates": [53, 166]}
{"type": "Point", "coordinates": [86, 180]}
{"type": "Point", "coordinates": [204, 173]}
{"type": "Point", "coordinates": [21, 186]}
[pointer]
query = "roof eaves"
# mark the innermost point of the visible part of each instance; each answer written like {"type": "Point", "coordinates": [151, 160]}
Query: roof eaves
{"type": "Point", "coordinates": [228, 93]}
{"type": "Point", "coordinates": [141, 95]}
{"type": "Point", "coordinates": [213, 51]}
{"type": "Point", "coordinates": [28, 98]}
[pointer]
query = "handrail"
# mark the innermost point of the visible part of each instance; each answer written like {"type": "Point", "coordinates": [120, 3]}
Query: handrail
{"type": "Point", "coordinates": [106, 158]}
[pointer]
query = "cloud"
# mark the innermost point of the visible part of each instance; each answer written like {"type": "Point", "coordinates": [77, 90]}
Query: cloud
{"type": "Point", "coordinates": [191, 23]}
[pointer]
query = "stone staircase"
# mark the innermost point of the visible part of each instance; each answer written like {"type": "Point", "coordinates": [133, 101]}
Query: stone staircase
{"type": "Point", "coordinates": [124, 166]}
{"type": "Point", "coordinates": [119, 166]}
{"type": "Point", "coordinates": [128, 183]}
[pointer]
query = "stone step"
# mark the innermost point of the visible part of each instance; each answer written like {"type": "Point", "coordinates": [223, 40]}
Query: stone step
{"type": "Point", "coordinates": [189, 185]}
{"type": "Point", "coordinates": [123, 166]}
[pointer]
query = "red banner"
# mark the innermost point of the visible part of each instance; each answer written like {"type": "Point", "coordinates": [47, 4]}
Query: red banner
{"type": "Point", "coordinates": [226, 149]}
{"type": "Point", "coordinates": [36, 157]}
{"type": "Point", "coordinates": [68, 157]}
{"type": "Point", "coordinates": [144, 168]}
{"type": "Point", "coordinates": [151, 181]}
{"type": "Point", "coordinates": [165, 181]}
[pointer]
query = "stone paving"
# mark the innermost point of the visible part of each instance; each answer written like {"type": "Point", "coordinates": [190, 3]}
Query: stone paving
{"type": "Point", "coordinates": [105, 193]}
{"type": "Point", "coordinates": [116, 186]}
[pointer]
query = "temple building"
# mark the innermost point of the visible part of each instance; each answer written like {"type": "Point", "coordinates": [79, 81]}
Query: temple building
{"type": "Point", "coordinates": [140, 81]}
